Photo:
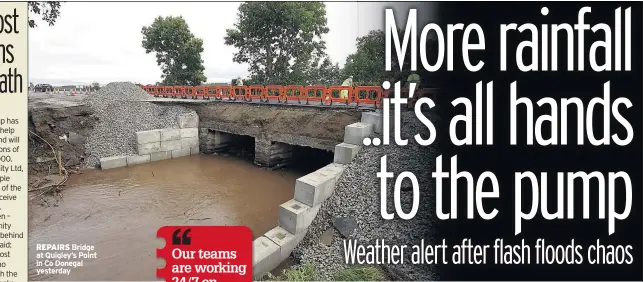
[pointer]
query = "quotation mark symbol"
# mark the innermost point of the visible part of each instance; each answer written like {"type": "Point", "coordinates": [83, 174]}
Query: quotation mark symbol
{"type": "Point", "coordinates": [181, 239]}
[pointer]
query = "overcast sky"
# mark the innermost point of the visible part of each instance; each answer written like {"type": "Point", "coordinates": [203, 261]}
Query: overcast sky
{"type": "Point", "coordinates": [102, 41]}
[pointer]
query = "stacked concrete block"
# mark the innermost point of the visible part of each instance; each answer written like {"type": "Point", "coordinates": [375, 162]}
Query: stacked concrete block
{"type": "Point", "coordinates": [345, 153]}
{"type": "Point", "coordinates": [272, 248]}
{"type": "Point", "coordinates": [159, 156]}
{"type": "Point", "coordinates": [375, 119]}
{"type": "Point", "coordinates": [182, 152]}
{"type": "Point", "coordinates": [190, 139]}
{"type": "Point", "coordinates": [190, 120]}
{"type": "Point", "coordinates": [313, 189]}
{"type": "Point", "coordinates": [113, 162]}
{"type": "Point", "coordinates": [265, 256]}
{"type": "Point", "coordinates": [148, 142]}
{"type": "Point", "coordinates": [296, 215]}
{"type": "Point", "coordinates": [138, 159]}
{"type": "Point", "coordinates": [161, 144]}
{"type": "Point", "coordinates": [356, 132]}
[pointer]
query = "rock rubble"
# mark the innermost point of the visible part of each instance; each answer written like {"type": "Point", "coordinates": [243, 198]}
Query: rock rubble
{"type": "Point", "coordinates": [357, 196]}
{"type": "Point", "coordinates": [122, 111]}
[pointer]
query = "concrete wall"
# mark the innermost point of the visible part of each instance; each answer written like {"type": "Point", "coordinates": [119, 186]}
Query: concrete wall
{"type": "Point", "coordinates": [310, 192]}
{"type": "Point", "coordinates": [161, 144]}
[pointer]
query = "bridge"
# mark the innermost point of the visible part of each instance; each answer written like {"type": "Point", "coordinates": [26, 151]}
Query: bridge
{"type": "Point", "coordinates": [311, 110]}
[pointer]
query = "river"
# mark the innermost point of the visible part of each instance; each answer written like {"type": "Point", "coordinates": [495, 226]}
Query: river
{"type": "Point", "coordinates": [118, 211]}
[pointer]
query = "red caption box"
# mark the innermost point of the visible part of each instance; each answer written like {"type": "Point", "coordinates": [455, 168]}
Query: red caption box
{"type": "Point", "coordinates": [205, 253]}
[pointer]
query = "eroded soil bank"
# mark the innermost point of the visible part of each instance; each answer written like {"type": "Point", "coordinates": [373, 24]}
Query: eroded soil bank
{"type": "Point", "coordinates": [312, 122]}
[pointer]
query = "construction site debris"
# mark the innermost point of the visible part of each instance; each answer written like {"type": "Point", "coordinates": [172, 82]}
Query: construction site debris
{"type": "Point", "coordinates": [122, 112]}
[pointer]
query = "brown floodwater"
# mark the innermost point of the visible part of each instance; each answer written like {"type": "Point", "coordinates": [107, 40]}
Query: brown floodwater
{"type": "Point", "coordinates": [119, 210]}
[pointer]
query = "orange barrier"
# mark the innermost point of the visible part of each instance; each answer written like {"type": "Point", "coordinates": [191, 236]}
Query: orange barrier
{"type": "Point", "coordinates": [368, 95]}
{"type": "Point", "coordinates": [168, 91]}
{"type": "Point", "coordinates": [293, 92]}
{"type": "Point", "coordinates": [315, 90]}
{"type": "Point", "coordinates": [210, 92]}
{"type": "Point", "coordinates": [359, 95]}
{"type": "Point", "coordinates": [200, 91]}
{"type": "Point", "coordinates": [177, 92]}
{"type": "Point", "coordinates": [239, 92]}
{"type": "Point", "coordinates": [255, 92]}
{"type": "Point", "coordinates": [224, 92]}
{"type": "Point", "coordinates": [273, 92]}
{"type": "Point", "coordinates": [190, 92]}
{"type": "Point", "coordinates": [330, 96]}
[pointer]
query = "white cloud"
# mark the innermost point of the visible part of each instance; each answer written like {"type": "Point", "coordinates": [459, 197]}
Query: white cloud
{"type": "Point", "coordinates": [101, 41]}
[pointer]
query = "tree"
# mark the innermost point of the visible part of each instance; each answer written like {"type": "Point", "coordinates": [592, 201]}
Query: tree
{"type": "Point", "coordinates": [178, 51]}
{"type": "Point", "coordinates": [367, 64]}
{"type": "Point", "coordinates": [279, 40]}
{"type": "Point", "coordinates": [95, 86]}
{"type": "Point", "coordinates": [50, 11]}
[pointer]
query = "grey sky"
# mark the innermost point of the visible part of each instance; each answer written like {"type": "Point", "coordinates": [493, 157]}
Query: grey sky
{"type": "Point", "coordinates": [102, 41]}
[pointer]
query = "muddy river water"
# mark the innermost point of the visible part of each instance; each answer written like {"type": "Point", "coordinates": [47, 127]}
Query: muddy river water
{"type": "Point", "coordinates": [119, 210]}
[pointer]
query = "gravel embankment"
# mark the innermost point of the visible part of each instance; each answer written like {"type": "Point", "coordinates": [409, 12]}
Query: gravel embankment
{"type": "Point", "coordinates": [121, 114]}
{"type": "Point", "coordinates": [357, 196]}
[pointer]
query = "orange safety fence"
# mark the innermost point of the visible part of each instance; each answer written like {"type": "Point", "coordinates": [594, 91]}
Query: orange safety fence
{"type": "Point", "coordinates": [200, 91]}
{"type": "Point", "coordinates": [177, 92]}
{"type": "Point", "coordinates": [255, 92]}
{"type": "Point", "coordinates": [273, 92]}
{"type": "Point", "coordinates": [314, 93]}
{"type": "Point", "coordinates": [293, 92]}
{"type": "Point", "coordinates": [239, 92]}
{"type": "Point", "coordinates": [367, 95]}
{"type": "Point", "coordinates": [359, 95]}
{"type": "Point", "coordinates": [224, 92]}
{"type": "Point", "coordinates": [331, 97]}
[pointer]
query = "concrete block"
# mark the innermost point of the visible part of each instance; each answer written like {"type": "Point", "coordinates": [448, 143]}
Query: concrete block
{"type": "Point", "coordinates": [180, 153]}
{"type": "Point", "coordinates": [148, 148]}
{"type": "Point", "coordinates": [159, 156]}
{"type": "Point", "coordinates": [345, 153]}
{"type": "Point", "coordinates": [168, 134]}
{"type": "Point", "coordinates": [113, 162]}
{"type": "Point", "coordinates": [266, 256]}
{"type": "Point", "coordinates": [195, 150]}
{"type": "Point", "coordinates": [295, 216]}
{"type": "Point", "coordinates": [170, 145]}
{"type": "Point", "coordinates": [286, 240]}
{"type": "Point", "coordinates": [189, 142]}
{"type": "Point", "coordinates": [375, 119]}
{"type": "Point", "coordinates": [314, 188]}
{"type": "Point", "coordinates": [189, 132]}
{"type": "Point", "coordinates": [138, 159]}
{"type": "Point", "coordinates": [189, 120]}
{"type": "Point", "coordinates": [356, 132]}
{"type": "Point", "coordinates": [144, 137]}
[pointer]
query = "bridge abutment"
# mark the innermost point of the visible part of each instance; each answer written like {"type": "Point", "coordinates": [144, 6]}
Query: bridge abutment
{"type": "Point", "coordinates": [214, 141]}
{"type": "Point", "coordinates": [272, 154]}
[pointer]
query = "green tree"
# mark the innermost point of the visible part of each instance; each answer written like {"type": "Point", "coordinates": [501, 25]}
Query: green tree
{"type": "Point", "coordinates": [325, 73]}
{"type": "Point", "coordinates": [280, 41]}
{"type": "Point", "coordinates": [367, 64]}
{"type": "Point", "coordinates": [178, 51]}
{"type": "Point", "coordinates": [49, 12]}
{"type": "Point", "coordinates": [95, 85]}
